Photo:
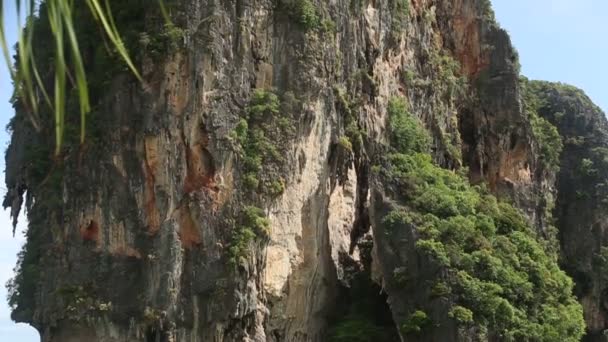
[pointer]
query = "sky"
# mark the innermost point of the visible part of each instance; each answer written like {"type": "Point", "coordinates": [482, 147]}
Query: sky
{"type": "Point", "coordinates": [560, 41]}
{"type": "Point", "coordinates": [9, 245]}
{"type": "Point", "coordinates": [557, 40]}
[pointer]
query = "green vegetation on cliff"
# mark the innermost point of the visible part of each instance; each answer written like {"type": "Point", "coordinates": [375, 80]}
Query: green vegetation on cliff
{"type": "Point", "coordinates": [42, 173]}
{"type": "Point", "coordinates": [400, 10]}
{"type": "Point", "coordinates": [546, 134]}
{"type": "Point", "coordinates": [405, 132]}
{"type": "Point", "coordinates": [497, 270]}
{"type": "Point", "coordinates": [305, 13]}
{"type": "Point", "coordinates": [416, 322]}
{"type": "Point", "coordinates": [582, 190]}
{"type": "Point", "coordinates": [253, 225]}
{"type": "Point", "coordinates": [366, 317]}
{"type": "Point", "coordinates": [69, 50]}
{"type": "Point", "coordinates": [261, 137]}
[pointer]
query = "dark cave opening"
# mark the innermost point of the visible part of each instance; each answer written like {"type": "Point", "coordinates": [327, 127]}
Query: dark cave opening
{"type": "Point", "coordinates": [363, 313]}
{"type": "Point", "coordinates": [154, 334]}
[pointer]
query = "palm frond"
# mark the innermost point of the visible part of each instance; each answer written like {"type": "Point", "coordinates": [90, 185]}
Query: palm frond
{"type": "Point", "coordinates": [56, 23]}
{"type": "Point", "coordinates": [103, 17]}
{"type": "Point", "coordinates": [22, 76]}
{"type": "Point", "coordinates": [30, 86]}
{"type": "Point", "coordinates": [81, 78]}
{"type": "Point", "coordinates": [5, 50]}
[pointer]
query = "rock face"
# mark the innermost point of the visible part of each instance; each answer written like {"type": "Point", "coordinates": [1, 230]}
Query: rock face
{"type": "Point", "coordinates": [232, 195]}
{"type": "Point", "coordinates": [581, 194]}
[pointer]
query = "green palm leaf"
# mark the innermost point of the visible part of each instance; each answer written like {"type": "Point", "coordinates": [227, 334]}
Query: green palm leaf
{"type": "Point", "coordinates": [29, 85]}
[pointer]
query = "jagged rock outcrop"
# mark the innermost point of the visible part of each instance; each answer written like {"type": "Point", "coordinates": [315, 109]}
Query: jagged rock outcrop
{"type": "Point", "coordinates": [580, 207]}
{"type": "Point", "coordinates": [234, 195]}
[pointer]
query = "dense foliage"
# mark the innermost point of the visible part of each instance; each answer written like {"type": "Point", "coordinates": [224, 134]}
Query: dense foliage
{"type": "Point", "coordinates": [583, 129]}
{"type": "Point", "coordinates": [261, 137]}
{"type": "Point", "coordinates": [252, 225]}
{"type": "Point", "coordinates": [59, 36]}
{"type": "Point", "coordinates": [367, 316]}
{"type": "Point", "coordinates": [539, 95]}
{"type": "Point", "coordinates": [499, 276]}
{"type": "Point", "coordinates": [416, 322]}
{"type": "Point", "coordinates": [400, 10]}
{"type": "Point", "coordinates": [305, 13]}
{"type": "Point", "coordinates": [546, 134]}
{"type": "Point", "coordinates": [405, 132]}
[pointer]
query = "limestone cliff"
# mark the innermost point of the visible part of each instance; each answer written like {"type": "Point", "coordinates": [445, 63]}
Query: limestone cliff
{"type": "Point", "coordinates": [581, 192]}
{"type": "Point", "coordinates": [244, 190]}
